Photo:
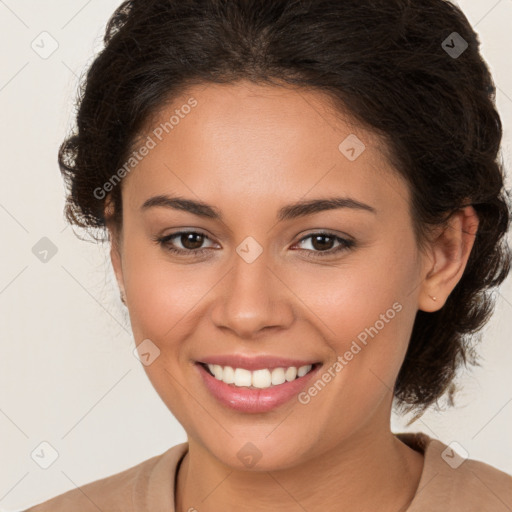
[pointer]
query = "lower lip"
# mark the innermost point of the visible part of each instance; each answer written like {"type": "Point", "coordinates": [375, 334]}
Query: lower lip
{"type": "Point", "coordinates": [248, 400]}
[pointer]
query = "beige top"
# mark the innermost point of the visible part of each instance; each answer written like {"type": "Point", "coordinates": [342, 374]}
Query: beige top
{"type": "Point", "coordinates": [447, 483]}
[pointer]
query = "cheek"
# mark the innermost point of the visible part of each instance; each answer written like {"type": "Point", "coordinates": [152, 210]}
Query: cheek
{"type": "Point", "coordinates": [162, 298]}
{"type": "Point", "coordinates": [369, 344]}
{"type": "Point", "coordinates": [371, 287]}
{"type": "Point", "coordinates": [366, 312]}
{"type": "Point", "coordinates": [161, 294]}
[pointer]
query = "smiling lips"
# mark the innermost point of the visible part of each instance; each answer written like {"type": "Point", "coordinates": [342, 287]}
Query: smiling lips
{"type": "Point", "coordinates": [254, 384]}
{"type": "Point", "coordinates": [259, 372]}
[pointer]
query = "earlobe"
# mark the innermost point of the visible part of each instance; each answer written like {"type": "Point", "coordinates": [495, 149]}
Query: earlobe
{"type": "Point", "coordinates": [450, 252]}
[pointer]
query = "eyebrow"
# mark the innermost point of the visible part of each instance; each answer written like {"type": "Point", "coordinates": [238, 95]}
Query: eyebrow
{"type": "Point", "coordinates": [291, 211]}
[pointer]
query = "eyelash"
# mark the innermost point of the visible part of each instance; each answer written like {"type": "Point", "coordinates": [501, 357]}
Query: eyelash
{"type": "Point", "coordinates": [345, 244]}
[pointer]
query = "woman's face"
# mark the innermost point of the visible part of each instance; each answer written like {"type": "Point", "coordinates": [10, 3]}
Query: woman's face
{"type": "Point", "coordinates": [268, 284]}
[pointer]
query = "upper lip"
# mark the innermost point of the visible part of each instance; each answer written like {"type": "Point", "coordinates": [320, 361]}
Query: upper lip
{"type": "Point", "coordinates": [255, 362]}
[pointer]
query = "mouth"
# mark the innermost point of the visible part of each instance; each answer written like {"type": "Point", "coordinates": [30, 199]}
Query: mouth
{"type": "Point", "coordinates": [262, 378]}
{"type": "Point", "coordinates": [255, 391]}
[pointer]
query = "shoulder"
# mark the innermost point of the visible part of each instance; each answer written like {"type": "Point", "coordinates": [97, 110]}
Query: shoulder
{"type": "Point", "coordinates": [480, 486]}
{"type": "Point", "coordinates": [453, 481]}
{"type": "Point", "coordinates": [123, 491]}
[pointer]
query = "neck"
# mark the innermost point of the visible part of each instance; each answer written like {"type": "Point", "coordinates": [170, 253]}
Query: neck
{"type": "Point", "coordinates": [365, 473]}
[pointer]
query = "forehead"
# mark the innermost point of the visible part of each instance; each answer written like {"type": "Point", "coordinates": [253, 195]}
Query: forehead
{"type": "Point", "coordinates": [256, 142]}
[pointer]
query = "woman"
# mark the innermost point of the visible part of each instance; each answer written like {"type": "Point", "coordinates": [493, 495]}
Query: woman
{"type": "Point", "coordinates": [305, 210]}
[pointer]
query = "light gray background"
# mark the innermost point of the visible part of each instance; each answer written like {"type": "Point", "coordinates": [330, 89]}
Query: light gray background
{"type": "Point", "coordinates": [67, 372]}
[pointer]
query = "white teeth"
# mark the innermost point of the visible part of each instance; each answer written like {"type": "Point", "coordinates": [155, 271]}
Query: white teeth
{"type": "Point", "coordinates": [261, 379]}
{"type": "Point", "coordinates": [303, 370]}
{"type": "Point", "coordinates": [228, 375]}
{"type": "Point", "coordinates": [291, 373]}
{"type": "Point", "coordinates": [242, 377]}
{"type": "Point", "coordinates": [278, 376]}
{"type": "Point", "coordinates": [217, 371]}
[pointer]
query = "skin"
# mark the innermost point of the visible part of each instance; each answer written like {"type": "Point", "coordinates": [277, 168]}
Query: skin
{"type": "Point", "coordinates": [248, 150]}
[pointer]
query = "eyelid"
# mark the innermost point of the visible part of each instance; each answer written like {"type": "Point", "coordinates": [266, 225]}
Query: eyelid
{"type": "Point", "coordinates": [326, 232]}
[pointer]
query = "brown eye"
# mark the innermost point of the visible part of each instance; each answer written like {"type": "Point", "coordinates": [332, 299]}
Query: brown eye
{"type": "Point", "coordinates": [322, 244]}
{"type": "Point", "coordinates": [192, 240]}
{"type": "Point", "coordinates": [191, 243]}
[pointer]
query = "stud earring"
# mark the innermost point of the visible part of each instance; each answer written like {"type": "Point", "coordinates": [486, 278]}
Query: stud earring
{"type": "Point", "coordinates": [433, 298]}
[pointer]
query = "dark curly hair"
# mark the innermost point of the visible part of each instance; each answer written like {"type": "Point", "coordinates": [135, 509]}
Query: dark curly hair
{"type": "Point", "coordinates": [386, 62]}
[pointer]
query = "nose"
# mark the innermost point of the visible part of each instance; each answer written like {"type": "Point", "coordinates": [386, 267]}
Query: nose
{"type": "Point", "coordinates": [251, 298]}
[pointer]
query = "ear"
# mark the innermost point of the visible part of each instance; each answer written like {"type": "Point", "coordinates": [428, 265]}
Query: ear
{"type": "Point", "coordinates": [448, 255]}
{"type": "Point", "coordinates": [115, 239]}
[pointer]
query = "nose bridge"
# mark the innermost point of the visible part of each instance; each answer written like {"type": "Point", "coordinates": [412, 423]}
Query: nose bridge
{"type": "Point", "coordinates": [251, 297]}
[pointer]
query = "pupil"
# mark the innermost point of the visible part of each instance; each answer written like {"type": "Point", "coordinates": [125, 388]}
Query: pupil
{"type": "Point", "coordinates": [322, 246]}
{"type": "Point", "coordinates": [188, 239]}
